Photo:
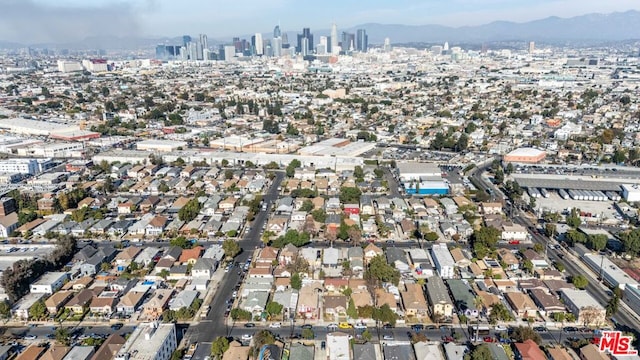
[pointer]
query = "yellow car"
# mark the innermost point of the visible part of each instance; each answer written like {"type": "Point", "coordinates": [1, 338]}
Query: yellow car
{"type": "Point", "coordinates": [344, 325]}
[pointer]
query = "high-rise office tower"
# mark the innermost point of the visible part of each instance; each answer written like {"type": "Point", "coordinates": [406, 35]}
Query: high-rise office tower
{"type": "Point", "coordinates": [387, 44]}
{"type": "Point", "coordinates": [321, 48]}
{"type": "Point", "coordinates": [203, 41]}
{"type": "Point", "coordinates": [258, 44]}
{"type": "Point", "coordinates": [276, 47]}
{"type": "Point", "coordinates": [335, 50]}
{"type": "Point", "coordinates": [348, 42]}
{"type": "Point", "coordinates": [229, 52]}
{"type": "Point", "coordinates": [285, 41]}
{"type": "Point", "coordinates": [276, 32]}
{"type": "Point", "coordinates": [446, 46]}
{"type": "Point", "coordinates": [362, 40]}
{"type": "Point", "coordinates": [185, 40]}
{"type": "Point", "coordinates": [308, 36]}
{"type": "Point", "coordinates": [532, 47]}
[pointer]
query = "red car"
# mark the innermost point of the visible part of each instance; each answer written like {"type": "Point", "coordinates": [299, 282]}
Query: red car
{"type": "Point", "coordinates": [595, 341]}
{"type": "Point", "coordinates": [489, 339]}
{"type": "Point", "coordinates": [447, 339]}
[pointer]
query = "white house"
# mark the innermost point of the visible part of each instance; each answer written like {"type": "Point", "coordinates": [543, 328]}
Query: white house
{"type": "Point", "coordinates": [49, 283]}
{"type": "Point", "coordinates": [338, 347]}
{"type": "Point", "coordinates": [514, 232]}
{"type": "Point", "coordinates": [8, 224]}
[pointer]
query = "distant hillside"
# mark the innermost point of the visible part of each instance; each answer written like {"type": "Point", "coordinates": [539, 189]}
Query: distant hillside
{"type": "Point", "coordinates": [614, 27]}
{"type": "Point", "coordinates": [580, 29]}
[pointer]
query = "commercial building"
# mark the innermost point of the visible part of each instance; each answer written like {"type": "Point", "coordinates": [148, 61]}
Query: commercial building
{"type": "Point", "coordinates": [412, 171]}
{"type": "Point", "coordinates": [35, 127]}
{"type": "Point", "coordinates": [611, 273]}
{"type": "Point", "coordinates": [631, 192]}
{"type": "Point", "coordinates": [149, 341]}
{"type": "Point", "coordinates": [161, 145]}
{"type": "Point", "coordinates": [338, 346]}
{"type": "Point", "coordinates": [433, 187]}
{"type": "Point", "coordinates": [24, 166]}
{"type": "Point", "coordinates": [584, 307]}
{"type": "Point", "coordinates": [53, 150]}
{"type": "Point", "coordinates": [632, 297]}
{"type": "Point", "coordinates": [525, 155]}
{"type": "Point", "coordinates": [443, 261]}
{"type": "Point", "coordinates": [48, 283]}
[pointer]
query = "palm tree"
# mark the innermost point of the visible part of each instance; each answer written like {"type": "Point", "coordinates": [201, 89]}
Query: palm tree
{"type": "Point", "coordinates": [478, 302]}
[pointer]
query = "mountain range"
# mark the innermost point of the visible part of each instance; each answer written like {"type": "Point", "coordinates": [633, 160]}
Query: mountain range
{"type": "Point", "coordinates": [617, 26]}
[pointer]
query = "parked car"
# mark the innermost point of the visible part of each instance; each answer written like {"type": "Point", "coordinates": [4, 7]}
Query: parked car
{"type": "Point", "coordinates": [387, 326]}
{"type": "Point", "coordinates": [247, 337]}
{"type": "Point", "coordinates": [344, 325]}
{"type": "Point", "coordinates": [117, 326]}
{"type": "Point", "coordinates": [361, 326]}
{"type": "Point", "coordinates": [417, 327]}
{"type": "Point", "coordinates": [332, 326]}
{"type": "Point", "coordinates": [501, 328]}
{"type": "Point", "coordinates": [276, 325]}
{"type": "Point", "coordinates": [30, 337]}
{"type": "Point", "coordinates": [249, 325]}
{"type": "Point", "coordinates": [307, 326]}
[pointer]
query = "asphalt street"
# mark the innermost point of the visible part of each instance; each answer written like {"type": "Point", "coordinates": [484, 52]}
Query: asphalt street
{"type": "Point", "coordinates": [595, 288]}
{"type": "Point", "coordinates": [214, 325]}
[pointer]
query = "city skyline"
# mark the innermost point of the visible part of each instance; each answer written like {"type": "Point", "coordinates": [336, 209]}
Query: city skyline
{"type": "Point", "coordinates": [33, 21]}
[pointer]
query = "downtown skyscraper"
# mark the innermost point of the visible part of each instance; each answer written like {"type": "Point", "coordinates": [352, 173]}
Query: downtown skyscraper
{"type": "Point", "coordinates": [334, 48]}
{"type": "Point", "coordinates": [305, 42]}
{"type": "Point", "coordinates": [362, 40]}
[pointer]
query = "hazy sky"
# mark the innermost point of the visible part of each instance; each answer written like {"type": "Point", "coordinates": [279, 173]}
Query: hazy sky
{"type": "Point", "coordinates": [33, 21]}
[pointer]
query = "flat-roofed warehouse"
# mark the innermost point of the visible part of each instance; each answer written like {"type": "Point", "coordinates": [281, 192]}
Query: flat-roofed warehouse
{"type": "Point", "coordinates": [412, 170]}
{"type": "Point", "coordinates": [161, 145]}
{"type": "Point", "coordinates": [35, 127]}
{"type": "Point", "coordinates": [525, 155]}
{"type": "Point", "coordinates": [544, 181]}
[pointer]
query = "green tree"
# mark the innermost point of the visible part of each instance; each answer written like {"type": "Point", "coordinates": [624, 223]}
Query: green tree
{"type": "Point", "coordinates": [219, 346]}
{"type": "Point", "coordinates": [273, 308]}
{"type": "Point", "coordinates": [180, 241]}
{"type": "Point", "coordinates": [230, 248]}
{"type": "Point", "coordinates": [573, 219]}
{"type": "Point", "coordinates": [480, 352]}
{"type": "Point", "coordinates": [350, 194]}
{"type": "Point", "coordinates": [190, 210]}
{"type": "Point", "coordinates": [38, 311]}
{"type": "Point", "coordinates": [5, 309]}
{"type": "Point", "coordinates": [352, 311]}
{"type": "Point", "coordinates": [296, 281]}
{"type": "Point", "coordinates": [291, 168]}
{"type": "Point", "coordinates": [380, 271]}
{"type": "Point", "coordinates": [240, 314]}
{"type": "Point", "coordinates": [523, 333]}
{"type": "Point", "coordinates": [550, 230]}
{"type": "Point", "coordinates": [307, 206]}
{"type": "Point", "coordinates": [62, 336]}
{"type": "Point", "coordinates": [579, 281]}
{"type": "Point", "coordinates": [307, 334]}
{"type": "Point", "coordinates": [597, 241]}
{"type": "Point", "coordinates": [431, 236]}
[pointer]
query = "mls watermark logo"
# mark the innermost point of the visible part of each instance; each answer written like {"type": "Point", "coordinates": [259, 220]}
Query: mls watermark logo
{"type": "Point", "coordinates": [617, 344]}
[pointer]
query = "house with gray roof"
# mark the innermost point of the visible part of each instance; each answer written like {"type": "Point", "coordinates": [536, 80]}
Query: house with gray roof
{"type": "Point", "coordinates": [330, 257]}
{"type": "Point", "coordinates": [183, 299]}
{"type": "Point", "coordinates": [301, 352]}
{"type": "Point", "coordinates": [255, 303]}
{"type": "Point", "coordinates": [366, 351]}
{"type": "Point", "coordinates": [398, 258]}
{"type": "Point", "coordinates": [398, 351]}
{"type": "Point", "coordinates": [204, 268]}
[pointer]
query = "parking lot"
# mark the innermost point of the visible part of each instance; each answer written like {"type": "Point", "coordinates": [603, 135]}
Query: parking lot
{"type": "Point", "coordinates": [554, 203]}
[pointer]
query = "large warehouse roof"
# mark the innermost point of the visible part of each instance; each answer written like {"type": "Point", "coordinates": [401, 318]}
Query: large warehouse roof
{"type": "Point", "coordinates": [418, 168]}
{"type": "Point", "coordinates": [525, 181]}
